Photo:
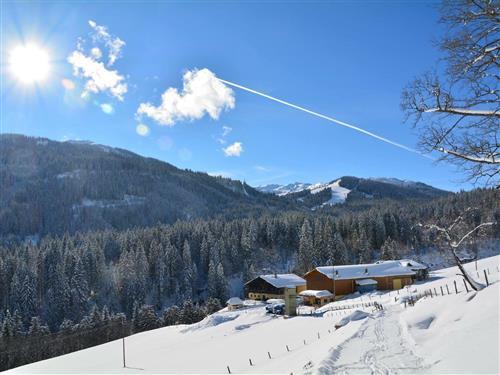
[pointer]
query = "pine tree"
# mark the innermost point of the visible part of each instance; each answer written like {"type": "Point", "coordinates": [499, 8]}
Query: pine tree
{"type": "Point", "coordinates": [79, 291]}
{"type": "Point", "coordinates": [146, 319]}
{"type": "Point", "coordinates": [37, 328]}
{"type": "Point", "coordinates": [305, 247]}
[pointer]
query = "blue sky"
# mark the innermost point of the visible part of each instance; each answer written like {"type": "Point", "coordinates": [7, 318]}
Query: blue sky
{"type": "Point", "coordinates": [348, 60]}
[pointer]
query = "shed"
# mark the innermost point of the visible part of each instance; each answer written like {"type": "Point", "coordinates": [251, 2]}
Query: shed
{"type": "Point", "coordinates": [234, 303]}
{"type": "Point", "coordinates": [366, 285]}
{"type": "Point", "coordinates": [316, 297]}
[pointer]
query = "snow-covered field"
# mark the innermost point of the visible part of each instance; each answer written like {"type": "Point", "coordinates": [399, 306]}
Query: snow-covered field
{"type": "Point", "coordinates": [454, 333]}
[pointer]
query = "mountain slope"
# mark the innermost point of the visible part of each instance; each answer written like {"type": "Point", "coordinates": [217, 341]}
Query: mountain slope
{"type": "Point", "coordinates": [437, 335]}
{"type": "Point", "coordinates": [54, 187]}
{"type": "Point", "coordinates": [349, 189]}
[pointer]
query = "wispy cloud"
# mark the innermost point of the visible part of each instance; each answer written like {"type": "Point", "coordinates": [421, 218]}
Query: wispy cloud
{"type": "Point", "coordinates": [202, 93]}
{"type": "Point", "coordinates": [107, 108]}
{"type": "Point", "coordinates": [261, 168]}
{"type": "Point", "coordinates": [225, 132]}
{"type": "Point", "coordinates": [234, 149]}
{"type": "Point", "coordinates": [87, 65]}
{"type": "Point", "coordinates": [113, 44]}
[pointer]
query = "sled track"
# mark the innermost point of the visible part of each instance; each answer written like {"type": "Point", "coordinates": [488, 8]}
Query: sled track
{"type": "Point", "coordinates": [380, 347]}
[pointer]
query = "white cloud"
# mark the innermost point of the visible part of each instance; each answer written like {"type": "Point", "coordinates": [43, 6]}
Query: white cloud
{"type": "Point", "coordinates": [142, 130]}
{"type": "Point", "coordinates": [98, 77]}
{"type": "Point", "coordinates": [225, 132]}
{"type": "Point", "coordinates": [96, 53]}
{"type": "Point", "coordinates": [113, 44]}
{"type": "Point", "coordinates": [107, 108]}
{"type": "Point", "coordinates": [202, 93]}
{"type": "Point", "coordinates": [233, 150]}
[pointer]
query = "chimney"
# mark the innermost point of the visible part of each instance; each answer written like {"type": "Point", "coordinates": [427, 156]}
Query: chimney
{"type": "Point", "coordinates": [275, 275]}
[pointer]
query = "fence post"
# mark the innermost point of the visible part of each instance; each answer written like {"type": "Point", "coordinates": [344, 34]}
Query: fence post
{"type": "Point", "coordinates": [123, 352]}
{"type": "Point", "coordinates": [269, 354]}
{"type": "Point", "coordinates": [287, 348]}
{"type": "Point", "coordinates": [486, 277]}
{"type": "Point", "coordinates": [304, 342]}
{"type": "Point", "coordinates": [228, 370]}
{"type": "Point", "coordinates": [466, 287]}
{"type": "Point", "coordinates": [318, 336]}
{"type": "Point", "coordinates": [430, 291]}
{"type": "Point", "coordinates": [442, 290]}
{"type": "Point", "coordinates": [435, 293]}
{"type": "Point", "coordinates": [447, 289]}
{"type": "Point", "coordinates": [456, 289]}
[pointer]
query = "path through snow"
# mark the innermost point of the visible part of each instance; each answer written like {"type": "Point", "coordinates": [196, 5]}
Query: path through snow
{"type": "Point", "coordinates": [381, 346]}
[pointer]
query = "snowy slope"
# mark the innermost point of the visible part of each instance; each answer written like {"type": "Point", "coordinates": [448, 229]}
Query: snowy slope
{"type": "Point", "coordinates": [454, 333]}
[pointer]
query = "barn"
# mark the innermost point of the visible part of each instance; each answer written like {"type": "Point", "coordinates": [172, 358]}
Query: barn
{"type": "Point", "coordinates": [265, 287]}
{"type": "Point", "coordinates": [346, 279]}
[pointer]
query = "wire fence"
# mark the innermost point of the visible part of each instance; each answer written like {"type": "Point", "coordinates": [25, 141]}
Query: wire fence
{"type": "Point", "coordinates": [22, 349]}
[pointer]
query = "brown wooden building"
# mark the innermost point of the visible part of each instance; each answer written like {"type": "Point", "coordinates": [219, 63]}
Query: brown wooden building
{"type": "Point", "coordinates": [266, 287]}
{"type": "Point", "coordinates": [341, 280]}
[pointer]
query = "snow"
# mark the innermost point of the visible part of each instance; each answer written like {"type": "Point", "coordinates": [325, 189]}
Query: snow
{"type": "Point", "coordinates": [449, 333]}
{"type": "Point", "coordinates": [128, 200]}
{"type": "Point", "coordinates": [316, 293]}
{"type": "Point", "coordinates": [358, 271]}
{"type": "Point", "coordinates": [366, 282]}
{"type": "Point", "coordinates": [339, 193]}
{"type": "Point", "coordinates": [234, 301]}
{"type": "Point", "coordinates": [284, 189]}
{"type": "Point", "coordinates": [352, 317]}
{"type": "Point", "coordinates": [288, 280]}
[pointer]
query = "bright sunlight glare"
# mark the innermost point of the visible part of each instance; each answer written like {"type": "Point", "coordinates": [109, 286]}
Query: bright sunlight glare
{"type": "Point", "coordinates": [29, 63]}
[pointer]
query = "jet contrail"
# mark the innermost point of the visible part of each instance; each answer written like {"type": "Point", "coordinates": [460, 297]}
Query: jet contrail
{"type": "Point", "coordinates": [342, 123]}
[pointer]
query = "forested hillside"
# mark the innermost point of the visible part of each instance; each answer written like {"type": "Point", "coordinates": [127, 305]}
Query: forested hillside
{"type": "Point", "coordinates": [50, 187]}
{"type": "Point", "coordinates": [63, 277]}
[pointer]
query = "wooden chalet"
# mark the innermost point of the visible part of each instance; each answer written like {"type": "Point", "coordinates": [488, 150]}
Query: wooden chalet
{"type": "Point", "coordinates": [346, 279]}
{"type": "Point", "coordinates": [266, 287]}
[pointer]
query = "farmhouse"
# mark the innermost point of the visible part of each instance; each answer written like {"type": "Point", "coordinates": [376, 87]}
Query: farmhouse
{"type": "Point", "coordinates": [342, 280]}
{"type": "Point", "coordinates": [265, 287]}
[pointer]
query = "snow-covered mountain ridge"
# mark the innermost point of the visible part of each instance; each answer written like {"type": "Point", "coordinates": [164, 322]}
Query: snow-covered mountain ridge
{"type": "Point", "coordinates": [354, 188]}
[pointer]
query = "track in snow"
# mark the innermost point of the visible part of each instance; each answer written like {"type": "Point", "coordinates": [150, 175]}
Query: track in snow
{"type": "Point", "coordinates": [379, 347]}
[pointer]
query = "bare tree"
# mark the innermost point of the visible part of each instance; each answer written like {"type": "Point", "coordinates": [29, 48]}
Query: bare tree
{"type": "Point", "coordinates": [456, 107]}
{"type": "Point", "coordinates": [457, 234]}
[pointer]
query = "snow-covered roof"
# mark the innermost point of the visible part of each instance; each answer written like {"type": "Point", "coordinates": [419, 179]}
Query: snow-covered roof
{"type": "Point", "coordinates": [366, 282]}
{"type": "Point", "coordinates": [360, 271]}
{"type": "Point", "coordinates": [414, 265]}
{"type": "Point", "coordinates": [316, 293]}
{"type": "Point", "coordinates": [409, 263]}
{"type": "Point", "coordinates": [284, 280]}
{"type": "Point", "coordinates": [234, 301]}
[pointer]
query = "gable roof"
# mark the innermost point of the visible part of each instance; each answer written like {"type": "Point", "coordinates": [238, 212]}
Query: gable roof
{"type": "Point", "coordinates": [234, 301]}
{"type": "Point", "coordinates": [316, 293]}
{"type": "Point", "coordinates": [363, 271]}
{"type": "Point", "coordinates": [283, 280]}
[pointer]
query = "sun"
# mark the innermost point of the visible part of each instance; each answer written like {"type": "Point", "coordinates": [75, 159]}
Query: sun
{"type": "Point", "coordinates": [29, 63]}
